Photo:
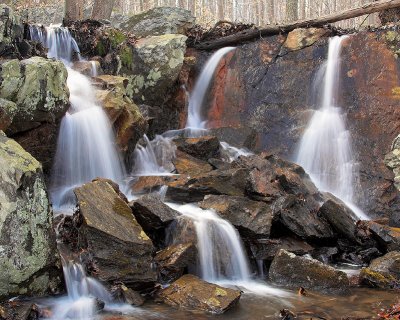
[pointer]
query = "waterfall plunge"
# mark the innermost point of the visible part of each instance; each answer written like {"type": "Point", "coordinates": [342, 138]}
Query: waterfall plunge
{"type": "Point", "coordinates": [195, 123]}
{"type": "Point", "coordinates": [325, 149]}
{"type": "Point", "coordinates": [86, 143]}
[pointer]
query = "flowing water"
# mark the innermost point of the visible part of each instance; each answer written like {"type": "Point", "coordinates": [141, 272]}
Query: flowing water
{"type": "Point", "coordinates": [155, 158]}
{"type": "Point", "coordinates": [195, 122]}
{"type": "Point", "coordinates": [325, 150]}
{"type": "Point", "coordinates": [222, 257]}
{"type": "Point", "coordinates": [86, 143]}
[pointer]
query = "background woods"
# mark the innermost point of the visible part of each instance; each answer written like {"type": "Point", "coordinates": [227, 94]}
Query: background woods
{"type": "Point", "coordinates": [259, 12]}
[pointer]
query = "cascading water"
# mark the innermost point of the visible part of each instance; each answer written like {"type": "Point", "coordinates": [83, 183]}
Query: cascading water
{"type": "Point", "coordinates": [325, 149]}
{"type": "Point", "coordinates": [155, 158]}
{"type": "Point", "coordinates": [231, 153]}
{"type": "Point", "coordinates": [85, 148]}
{"type": "Point", "coordinates": [86, 143]}
{"type": "Point", "coordinates": [81, 303]}
{"type": "Point", "coordinates": [195, 122]}
{"type": "Point", "coordinates": [222, 257]}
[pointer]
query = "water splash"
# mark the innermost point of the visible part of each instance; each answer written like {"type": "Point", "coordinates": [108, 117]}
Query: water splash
{"type": "Point", "coordinates": [325, 150]}
{"type": "Point", "coordinates": [196, 124]}
{"type": "Point", "coordinates": [155, 158]}
{"type": "Point", "coordinates": [231, 153]}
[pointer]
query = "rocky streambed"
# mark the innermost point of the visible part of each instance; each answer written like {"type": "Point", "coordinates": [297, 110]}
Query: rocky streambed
{"type": "Point", "coordinates": [244, 234]}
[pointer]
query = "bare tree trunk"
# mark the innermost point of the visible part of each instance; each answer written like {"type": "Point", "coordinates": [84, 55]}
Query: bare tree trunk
{"type": "Point", "coordinates": [318, 22]}
{"type": "Point", "coordinates": [221, 13]}
{"type": "Point", "coordinates": [73, 10]}
{"type": "Point", "coordinates": [102, 9]}
{"type": "Point", "coordinates": [292, 13]}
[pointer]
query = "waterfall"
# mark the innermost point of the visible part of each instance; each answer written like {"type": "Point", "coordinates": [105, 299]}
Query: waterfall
{"type": "Point", "coordinates": [155, 158]}
{"type": "Point", "coordinates": [231, 153]}
{"type": "Point", "coordinates": [82, 294]}
{"type": "Point", "coordinates": [221, 252]}
{"type": "Point", "coordinates": [325, 150]}
{"type": "Point", "coordinates": [86, 143]}
{"type": "Point", "coordinates": [195, 122]}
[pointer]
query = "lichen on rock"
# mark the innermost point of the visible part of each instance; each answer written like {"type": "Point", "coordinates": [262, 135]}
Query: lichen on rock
{"type": "Point", "coordinates": [28, 257]}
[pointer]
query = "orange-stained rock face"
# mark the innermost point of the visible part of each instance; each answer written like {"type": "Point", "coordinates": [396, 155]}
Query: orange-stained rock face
{"type": "Point", "coordinates": [265, 87]}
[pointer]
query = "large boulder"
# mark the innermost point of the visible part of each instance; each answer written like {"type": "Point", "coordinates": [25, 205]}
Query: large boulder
{"type": "Point", "coordinates": [38, 87]}
{"type": "Point", "coordinates": [190, 292]}
{"type": "Point", "coordinates": [293, 271]}
{"type": "Point", "coordinates": [154, 216]}
{"type": "Point", "coordinates": [29, 262]}
{"type": "Point", "coordinates": [116, 248]}
{"type": "Point", "coordinates": [159, 21]}
{"type": "Point", "coordinates": [157, 63]}
{"type": "Point", "coordinates": [383, 272]}
{"type": "Point", "coordinates": [45, 15]}
{"type": "Point", "coordinates": [189, 165]}
{"type": "Point", "coordinates": [341, 217]}
{"type": "Point", "coordinates": [253, 219]}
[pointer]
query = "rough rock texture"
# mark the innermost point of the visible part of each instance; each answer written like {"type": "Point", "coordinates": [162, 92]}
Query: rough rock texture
{"type": "Point", "coordinates": [266, 249]}
{"type": "Point", "coordinates": [11, 26]}
{"type": "Point", "coordinates": [159, 21]}
{"type": "Point", "coordinates": [252, 218]}
{"type": "Point", "coordinates": [189, 292]}
{"type": "Point", "coordinates": [44, 15]}
{"type": "Point", "coordinates": [116, 247]}
{"type": "Point", "coordinates": [387, 237]}
{"type": "Point", "coordinates": [293, 271]}
{"type": "Point", "coordinates": [38, 88]}
{"type": "Point", "coordinates": [392, 160]}
{"type": "Point", "coordinates": [383, 272]}
{"type": "Point", "coordinates": [29, 262]}
{"type": "Point", "coordinates": [300, 38]}
{"type": "Point", "coordinates": [8, 109]}
{"type": "Point", "coordinates": [125, 116]}
{"type": "Point", "coordinates": [158, 61]}
{"type": "Point", "coordinates": [123, 294]}
{"type": "Point", "coordinates": [173, 260]}
{"type": "Point", "coordinates": [257, 87]}
{"type": "Point", "coordinates": [154, 216]}
{"type": "Point", "coordinates": [189, 165]}
{"type": "Point", "coordinates": [202, 148]}
{"type": "Point", "coordinates": [342, 219]}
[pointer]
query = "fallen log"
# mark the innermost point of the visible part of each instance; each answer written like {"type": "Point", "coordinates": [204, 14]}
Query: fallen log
{"type": "Point", "coordinates": [270, 30]}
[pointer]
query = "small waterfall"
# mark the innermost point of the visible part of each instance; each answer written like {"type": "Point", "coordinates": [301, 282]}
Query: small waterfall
{"type": "Point", "coordinates": [86, 143]}
{"type": "Point", "coordinates": [221, 253]}
{"type": "Point", "coordinates": [195, 121]}
{"type": "Point", "coordinates": [325, 150]}
{"type": "Point", "coordinates": [83, 292]}
{"type": "Point", "coordinates": [231, 153]}
{"type": "Point", "coordinates": [94, 72]}
{"type": "Point", "coordinates": [155, 158]}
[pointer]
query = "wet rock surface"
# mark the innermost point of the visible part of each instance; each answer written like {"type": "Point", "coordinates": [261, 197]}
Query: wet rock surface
{"type": "Point", "coordinates": [123, 294]}
{"type": "Point", "coordinates": [202, 148]}
{"type": "Point", "coordinates": [154, 216]}
{"type": "Point", "coordinates": [383, 272]}
{"type": "Point", "coordinates": [387, 237]}
{"type": "Point", "coordinates": [252, 218]}
{"type": "Point", "coordinates": [340, 217]}
{"type": "Point", "coordinates": [115, 246]}
{"type": "Point", "coordinates": [174, 260]}
{"type": "Point", "coordinates": [189, 292]}
{"type": "Point", "coordinates": [293, 271]}
{"type": "Point", "coordinates": [29, 262]}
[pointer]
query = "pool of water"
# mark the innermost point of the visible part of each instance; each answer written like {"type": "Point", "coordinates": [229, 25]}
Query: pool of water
{"type": "Point", "coordinates": [359, 303]}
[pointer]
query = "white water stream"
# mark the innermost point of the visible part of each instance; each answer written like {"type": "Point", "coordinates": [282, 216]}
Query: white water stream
{"type": "Point", "coordinates": [325, 150]}
{"type": "Point", "coordinates": [195, 122]}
